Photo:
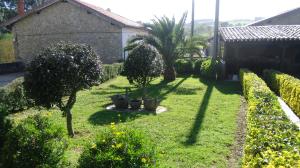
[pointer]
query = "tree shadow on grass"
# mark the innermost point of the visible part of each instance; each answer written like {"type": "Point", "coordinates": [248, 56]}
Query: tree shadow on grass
{"type": "Point", "coordinates": [160, 90]}
{"type": "Point", "coordinates": [105, 117]}
{"type": "Point", "coordinates": [224, 87]}
{"type": "Point", "coordinates": [195, 130]}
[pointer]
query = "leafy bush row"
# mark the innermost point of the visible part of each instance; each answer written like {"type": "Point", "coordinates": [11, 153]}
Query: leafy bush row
{"type": "Point", "coordinates": [34, 142]}
{"type": "Point", "coordinates": [186, 67]}
{"type": "Point", "coordinates": [111, 71]}
{"type": "Point", "coordinates": [37, 142]}
{"type": "Point", "coordinates": [272, 140]}
{"type": "Point", "coordinates": [286, 87]}
{"type": "Point", "coordinates": [13, 98]}
{"type": "Point", "coordinates": [119, 148]}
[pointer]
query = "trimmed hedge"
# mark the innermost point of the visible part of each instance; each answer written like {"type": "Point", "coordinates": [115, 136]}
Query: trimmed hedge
{"type": "Point", "coordinates": [111, 71]}
{"type": "Point", "coordinates": [272, 140]}
{"type": "Point", "coordinates": [188, 67]}
{"type": "Point", "coordinates": [184, 67]}
{"type": "Point", "coordinates": [286, 87]}
{"type": "Point", "coordinates": [13, 98]}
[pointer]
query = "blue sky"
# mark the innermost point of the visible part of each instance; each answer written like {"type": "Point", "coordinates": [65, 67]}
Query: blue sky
{"type": "Point", "coordinates": [145, 10]}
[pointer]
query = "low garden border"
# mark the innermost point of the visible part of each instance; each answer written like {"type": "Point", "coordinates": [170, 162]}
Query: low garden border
{"type": "Point", "coordinates": [272, 140]}
{"type": "Point", "coordinates": [286, 86]}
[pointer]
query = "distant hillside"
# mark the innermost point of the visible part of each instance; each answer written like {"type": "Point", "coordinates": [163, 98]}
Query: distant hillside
{"type": "Point", "coordinates": [204, 27]}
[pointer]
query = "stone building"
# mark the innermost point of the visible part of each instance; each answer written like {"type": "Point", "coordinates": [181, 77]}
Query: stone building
{"type": "Point", "coordinates": [290, 17]}
{"type": "Point", "coordinates": [74, 21]}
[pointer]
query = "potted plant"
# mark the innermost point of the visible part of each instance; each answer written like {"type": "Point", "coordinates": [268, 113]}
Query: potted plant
{"type": "Point", "coordinates": [135, 104]}
{"type": "Point", "coordinates": [151, 104]}
{"type": "Point", "coordinates": [120, 101]}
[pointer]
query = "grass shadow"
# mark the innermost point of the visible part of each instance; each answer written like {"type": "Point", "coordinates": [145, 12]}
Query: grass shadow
{"type": "Point", "coordinates": [195, 131]}
{"type": "Point", "coordinates": [105, 117]}
{"type": "Point", "coordinates": [225, 87]}
{"type": "Point", "coordinates": [160, 90]}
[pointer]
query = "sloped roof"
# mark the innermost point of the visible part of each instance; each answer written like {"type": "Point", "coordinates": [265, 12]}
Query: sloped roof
{"type": "Point", "coordinates": [261, 33]}
{"type": "Point", "coordinates": [98, 11]}
{"type": "Point", "coordinates": [263, 21]}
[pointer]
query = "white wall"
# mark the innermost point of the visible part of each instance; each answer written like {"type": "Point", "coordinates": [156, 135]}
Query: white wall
{"type": "Point", "coordinates": [127, 34]}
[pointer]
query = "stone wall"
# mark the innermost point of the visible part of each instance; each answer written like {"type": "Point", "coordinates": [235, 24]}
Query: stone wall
{"type": "Point", "coordinates": [67, 22]}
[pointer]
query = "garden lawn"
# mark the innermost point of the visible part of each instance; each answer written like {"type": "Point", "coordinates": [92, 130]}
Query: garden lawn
{"type": "Point", "coordinates": [197, 131]}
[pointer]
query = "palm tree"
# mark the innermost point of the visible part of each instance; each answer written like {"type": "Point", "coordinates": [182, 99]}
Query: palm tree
{"type": "Point", "coordinates": [166, 36]}
{"type": "Point", "coordinates": [192, 46]}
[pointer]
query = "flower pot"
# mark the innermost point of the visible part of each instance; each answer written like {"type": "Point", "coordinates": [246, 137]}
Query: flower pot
{"type": "Point", "coordinates": [150, 104]}
{"type": "Point", "coordinates": [135, 104]}
{"type": "Point", "coordinates": [120, 101]}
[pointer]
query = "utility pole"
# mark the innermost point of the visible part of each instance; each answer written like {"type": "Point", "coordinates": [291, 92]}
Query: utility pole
{"type": "Point", "coordinates": [216, 31]}
{"type": "Point", "coordinates": [193, 18]}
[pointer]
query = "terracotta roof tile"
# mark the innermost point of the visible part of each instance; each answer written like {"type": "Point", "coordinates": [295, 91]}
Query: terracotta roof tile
{"type": "Point", "coordinates": [124, 22]}
{"type": "Point", "coordinates": [111, 15]}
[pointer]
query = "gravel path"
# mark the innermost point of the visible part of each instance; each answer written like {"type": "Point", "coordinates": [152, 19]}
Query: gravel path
{"type": "Point", "coordinates": [7, 78]}
{"type": "Point", "coordinates": [234, 160]}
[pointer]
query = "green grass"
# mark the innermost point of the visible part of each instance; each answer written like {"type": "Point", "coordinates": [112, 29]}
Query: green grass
{"type": "Point", "coordinates": [197, 131]}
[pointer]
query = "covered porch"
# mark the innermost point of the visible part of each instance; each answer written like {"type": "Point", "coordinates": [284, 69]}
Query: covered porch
{"type": "Point", "coordinates": [261, 47]}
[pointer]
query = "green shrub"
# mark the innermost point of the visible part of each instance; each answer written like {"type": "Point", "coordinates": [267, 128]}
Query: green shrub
{"type": "Point", "coordinates": [286, 86]}
{"type": "Point", "coordinates": [3, 113]}
{"type": "Point", "coordinates": [184, 67]}
{"type": "Point", "coordinates": [111, 71]}
{"type": "Point", "coordinates": [34, 142]}
{"type": "Point", "coordinates": [119, 148]}
{"type": "Point", "coordinates": [13, 98]}
{"type": "Point", "coordinates": [197, 66]}
{"type": "Point", "coordinates": [210, 68]}
{"type": "Point", "coordinates": [143, 65]}
{"type": "Point", "coordinates": [272, 140]}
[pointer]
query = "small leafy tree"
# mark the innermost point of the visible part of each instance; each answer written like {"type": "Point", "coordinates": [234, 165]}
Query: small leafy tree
{"type": "Point", "coordinates": [56, 75]}
{"type": "Point", "coordinates": [143, 64]}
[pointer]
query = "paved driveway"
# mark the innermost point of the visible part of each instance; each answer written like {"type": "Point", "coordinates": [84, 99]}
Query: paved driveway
{"type": "Point", "coordinates": [7, 78]}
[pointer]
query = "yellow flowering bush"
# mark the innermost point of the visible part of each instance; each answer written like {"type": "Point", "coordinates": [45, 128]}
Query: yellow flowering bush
{"type": "Point", "coordinates": [286, 86]}
{"type": "Point", "coordinates": [272, 140]}
{"type": "Point", "coordinates": [118, 148]}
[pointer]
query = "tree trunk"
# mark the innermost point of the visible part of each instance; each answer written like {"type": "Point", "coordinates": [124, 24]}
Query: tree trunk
{"type": "Point", "coordinates": [170, 73]}
{"type": "Point", "coordinates": [67, 110]}
{"type": "Point", "coordinates": [144, 92]}
{"type": "Point", "coordinates": [69, 122]}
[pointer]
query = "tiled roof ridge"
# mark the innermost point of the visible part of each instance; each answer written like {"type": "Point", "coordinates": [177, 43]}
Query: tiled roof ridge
{"type": "Point", "coordinates": [260, 33]}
